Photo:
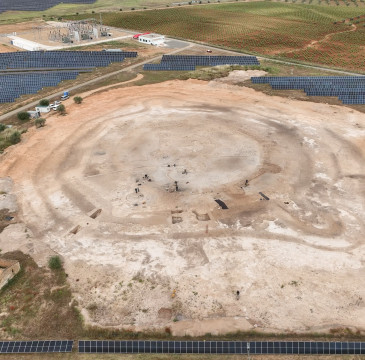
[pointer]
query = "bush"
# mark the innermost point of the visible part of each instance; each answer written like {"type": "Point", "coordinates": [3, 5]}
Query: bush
{"type": "Point", "coordinates": [2, 127]}
{"type": "Point", "coordinates": [55, 263]}
{"type": "Point", "coordinates": [23, 116]}
{"type": "Point", "coordinates": [44, 102]}
{"type": "Point", "coordinates": [132, 9]}
{"type": "Point", "coordinates": [78, 99]}
{"type": "Point", "coordinates": [14, 138]}
{"type": "Point", "coordinates": [40, 122]}
{"type": "Point", "coordinates": [61, 109]}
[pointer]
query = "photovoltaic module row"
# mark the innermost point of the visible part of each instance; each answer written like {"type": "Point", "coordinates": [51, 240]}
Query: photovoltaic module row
{"type": "Point", "coordinates": [39, 5]}
{"type": "Point", "coordinates": [13, 85]}
{"type": "Point", "coordinates": [349, 89]}
{"type": "Point", "coordinates": [61, 59]}
{"type": "Point", "coordinates": [221, 347]}
{"type": "Point", "coordinates": [37, 346]}
{"type": "Point", "coordinates": [189, 62]}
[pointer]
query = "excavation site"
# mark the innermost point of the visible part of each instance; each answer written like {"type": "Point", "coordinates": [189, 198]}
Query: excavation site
{"type": "Point", "coordinates": [198, 207]}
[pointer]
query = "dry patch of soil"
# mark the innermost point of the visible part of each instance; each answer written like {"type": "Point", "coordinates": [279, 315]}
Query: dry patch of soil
{"type": "Point", "coordinates": [297, 259]}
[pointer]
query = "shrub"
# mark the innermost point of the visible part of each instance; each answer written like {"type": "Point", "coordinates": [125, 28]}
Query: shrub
{"type": "Point", "coordinates": [93, 12]}
{"type": "Point", "coordinates": [23, 116]}
{"type": "Point", "coordinates": [14, 138]}
{"type": "Point", "coordinates": [44, 102]}
{"type": "Point", "coordinates": [132, 9]}
{"type": "Point", "coordinates": [40, 122]}
{"type": "Point", "coordinates": [61, 109]}
{"type": "Point", "coordinates": [55, 263]}
{"type": "Point", "coordinates": [59, 19]}
{"type": "Point", "coordinates": [2, 127]}
{"type": "Point", "coordinates": [78, 99]}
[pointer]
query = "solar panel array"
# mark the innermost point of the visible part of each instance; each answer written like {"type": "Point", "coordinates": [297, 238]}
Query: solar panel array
{"type": "Point", "coordinates": [13, 85]}
{"type": "Point", "coordinates": [349, 89]}
{"type": "Point", "coordinates": [189, 62]}
{"type": "Point", "coordinates": [168, 67]}
{"type": "Point", "coordinates": [39, 5]}
{"type": "Point", "coordinates": [61, 59]}
{"type": "Point", "coordinates": [221, 347]}
{"type": "Point", "coordinates": [38, 346]}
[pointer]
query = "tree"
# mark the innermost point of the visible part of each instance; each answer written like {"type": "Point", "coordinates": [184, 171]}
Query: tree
{"type": "Point", "coordinates": [44, 102]}
{"type": "Point", "coordinates": [55, 263]}
{"type": "Point", "coordinates": [14, 138]}
{"type": "Point", "coordinates": [23, 116]}
{"type": "Point", "coordinates": [40, 122]}
{"type": "Point", "coordinates": [78, 99]}
{"type": "Point", "coordinates": [61, 109]}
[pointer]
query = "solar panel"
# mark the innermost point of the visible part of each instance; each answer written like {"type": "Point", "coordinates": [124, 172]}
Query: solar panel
{"type": "Point", "coordinates": [189, 62]}
{"type": "Point", "coordinates": [221, 347]}
{"type": "Point", "coordinates": [13, 85]}
{"type": "Point", "coordinates": [348, 89]}
{"type": "Point", "coordinates": [36, 346]}
{"type": "Point", "coordinates": [61, 59]}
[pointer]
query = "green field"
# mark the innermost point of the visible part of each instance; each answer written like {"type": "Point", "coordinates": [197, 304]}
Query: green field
{"type": "Point", "coordinates": [279, 29]}
{"type": "Point", "coordinates": [63, 9]}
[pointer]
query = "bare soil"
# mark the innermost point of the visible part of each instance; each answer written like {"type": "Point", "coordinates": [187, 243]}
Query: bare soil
{"type": "Point", "coordinates": [21, 26]}
{"type": "Point", "coordinates": [296, 259]}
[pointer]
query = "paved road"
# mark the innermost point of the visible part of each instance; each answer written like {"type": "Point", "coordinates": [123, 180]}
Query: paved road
{"type": "Point", "coordinates": [76, 87]}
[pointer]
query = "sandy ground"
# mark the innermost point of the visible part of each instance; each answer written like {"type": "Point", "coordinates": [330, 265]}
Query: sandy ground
{"type": "Point", "coordinates": [20, 27]}
{"type": "Point", "coordinates": [160, 258]}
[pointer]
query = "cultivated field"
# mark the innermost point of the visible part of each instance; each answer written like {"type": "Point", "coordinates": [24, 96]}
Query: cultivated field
{"type": "Point", "coordinates": [159, 258]}
{"type": "Point", "coordinates": [296, 31]}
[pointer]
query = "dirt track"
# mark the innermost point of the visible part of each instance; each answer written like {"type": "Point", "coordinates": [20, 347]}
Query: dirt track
{"type": "Point", "coordinates": [157, 255]}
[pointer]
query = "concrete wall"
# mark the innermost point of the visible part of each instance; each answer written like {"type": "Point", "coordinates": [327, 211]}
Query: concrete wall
{"type": "Point", "coordinates": [8, 269]}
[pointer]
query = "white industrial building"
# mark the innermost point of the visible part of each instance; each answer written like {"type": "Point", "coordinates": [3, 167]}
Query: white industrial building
{"type": "Point", "coordinates": [27, 44]}
{"type": "Point", "coordinates": [152, 39]}
{"type": "Point", "coordinates": [43, 109]}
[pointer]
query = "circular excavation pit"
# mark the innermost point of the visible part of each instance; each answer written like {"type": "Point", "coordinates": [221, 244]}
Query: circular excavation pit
{"type": "Point", "coordinates": [155, 159]}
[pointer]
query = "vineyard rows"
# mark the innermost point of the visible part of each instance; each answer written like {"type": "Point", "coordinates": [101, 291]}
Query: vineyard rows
{"type": "Point", "coordinates": [280, 29]}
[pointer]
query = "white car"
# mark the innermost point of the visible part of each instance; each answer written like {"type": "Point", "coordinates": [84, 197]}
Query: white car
{"type": "Point", "coordinates": [54, 106]}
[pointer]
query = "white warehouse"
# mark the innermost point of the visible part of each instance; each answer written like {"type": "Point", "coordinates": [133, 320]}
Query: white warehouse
{"type": "Point", "coordinates": [152, 39]}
